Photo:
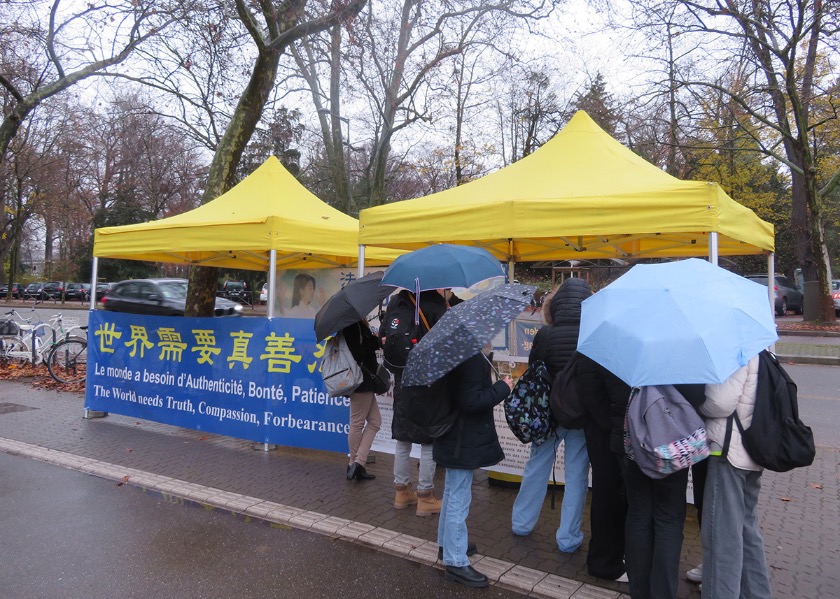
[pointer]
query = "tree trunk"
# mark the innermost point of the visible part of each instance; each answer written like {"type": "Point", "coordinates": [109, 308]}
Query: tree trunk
{"type": "Point", "coordinates": [201, 295]}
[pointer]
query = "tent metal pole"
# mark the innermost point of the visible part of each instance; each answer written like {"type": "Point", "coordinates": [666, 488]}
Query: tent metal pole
{"type": "Point", "coordinates": [272, 277]}
{"type": "Point", "coordinates": [713, 248]}
{"type": "Point", "coordinates": [771, 284]}
{"type": "Point", "coordinates": [94, 269]}
{"type": "Point", "coordinates": [360, 270]}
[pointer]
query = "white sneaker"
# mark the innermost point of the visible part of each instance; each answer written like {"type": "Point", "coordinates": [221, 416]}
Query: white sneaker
{"type": "Point", "coordinates": [623, 578]}
{"type": "Point", "coordinates": [695, 574]}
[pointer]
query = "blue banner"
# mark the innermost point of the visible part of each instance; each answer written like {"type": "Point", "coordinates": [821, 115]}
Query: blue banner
{"type": "Point", "coordinates": [250, 378]}
{"type": "Point", "coordinates": [524, 331]}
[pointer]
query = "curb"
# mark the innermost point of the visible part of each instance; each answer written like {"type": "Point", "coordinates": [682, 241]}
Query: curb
{"type": "Point", "coordinates": [790, 333]}
{"type": "Point", "coordinates": [818, 360]}
{"type": "Point", "coordinates": [533, 583]}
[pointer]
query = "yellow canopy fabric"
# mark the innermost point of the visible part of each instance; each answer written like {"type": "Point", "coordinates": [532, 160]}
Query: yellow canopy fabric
{"type": "Point", "coordinates": [268, 210]}
{"type": "Point", "coordinates": [581, 195]}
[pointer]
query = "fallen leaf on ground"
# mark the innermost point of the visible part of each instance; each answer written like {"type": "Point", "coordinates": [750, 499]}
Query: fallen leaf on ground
{"type": "Point", "coordinates": [786, 498]}
{"type": "Point", "coordinates": [816, 485]}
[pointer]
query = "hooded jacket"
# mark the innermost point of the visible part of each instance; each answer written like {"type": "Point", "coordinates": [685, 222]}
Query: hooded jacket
{"type": "Point", "coordinates": [555, 343]}
{"type": "Point", "coordinates": [738, 392]}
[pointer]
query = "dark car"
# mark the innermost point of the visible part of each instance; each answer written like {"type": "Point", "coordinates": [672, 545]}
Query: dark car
{"type": "Point", "coordinates": [17, 291]}
{"type": "Point", "coordinates": [237, 291]}
{"type": "Point", "coordinates": [165, 297]}
{"type": "Point", "coordinates": [33, 290]}
{"type": "Point", "coordinates": [788, 295]}
{"type": "Point", "coordinates": [52, 290]}
{"type": "Point", "coordinates": [77, 291]}
{"type": "Point", "coordinates": [102, 289]}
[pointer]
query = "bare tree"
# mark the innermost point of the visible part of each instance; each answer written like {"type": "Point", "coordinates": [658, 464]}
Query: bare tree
{"type": "Point", "coordinates": [779, 45]}
{"type": "Point", "coordinates": [47, 47]}
{"type": "Point", "coordinates": [279, 27]}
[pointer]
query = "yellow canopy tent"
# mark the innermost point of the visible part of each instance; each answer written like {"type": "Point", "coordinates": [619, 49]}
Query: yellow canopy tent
{"type": "Point", "coordinates": [268, 210]}
{"type": "Point", "coordinates": [581, 195]}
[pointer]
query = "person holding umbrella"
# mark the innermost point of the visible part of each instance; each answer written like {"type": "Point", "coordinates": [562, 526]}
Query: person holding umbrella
{"type": "Point", "coordinates": [346, 311]}
{"type": "Point", "coordinates": [457, 348]}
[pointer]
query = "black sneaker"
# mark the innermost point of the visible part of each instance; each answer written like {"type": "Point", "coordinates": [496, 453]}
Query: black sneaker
{"type": "Point", "coordinates": [466, 575]}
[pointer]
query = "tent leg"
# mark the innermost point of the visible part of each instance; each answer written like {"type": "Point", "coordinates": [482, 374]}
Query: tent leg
{"type": "Point", "coordinates": [94, 270]}
{"type": "Point", "coordinates": [771, 293]}
{"type": "Point", "coordinates": [360, 272]}
{"type": "Point", "coordinates": [713, 248]}
{"type": "Point", "coordinates": [272, 277]}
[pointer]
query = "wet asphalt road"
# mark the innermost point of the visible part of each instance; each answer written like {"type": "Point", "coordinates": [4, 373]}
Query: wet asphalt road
{"type": "Point", "coordinates": [65, 534]}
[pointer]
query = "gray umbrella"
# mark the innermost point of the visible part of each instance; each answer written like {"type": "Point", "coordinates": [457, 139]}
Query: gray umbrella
{"type": "Point", "coordinates": [463, 331]}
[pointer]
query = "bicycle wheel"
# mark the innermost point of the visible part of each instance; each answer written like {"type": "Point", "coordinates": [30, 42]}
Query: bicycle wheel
{"type": "Point", "coordinates": [67, 361]}
{"type": "Point", "coordinates": [12, 349]}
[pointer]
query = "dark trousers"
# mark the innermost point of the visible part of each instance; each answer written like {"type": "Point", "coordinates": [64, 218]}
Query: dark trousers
{"type": "Point", "coordinates": [698, 479]}
{"type": "Point", "coordinates": [654, 531]}
{"type": "Point", "coordinates": [607, 509]}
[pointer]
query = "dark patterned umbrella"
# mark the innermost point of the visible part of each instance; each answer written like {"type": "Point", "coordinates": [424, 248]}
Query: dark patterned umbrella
{"type": "Point", "coordinates": [463, 331]}
{"type": "Point", "coordinates": [350, 304]}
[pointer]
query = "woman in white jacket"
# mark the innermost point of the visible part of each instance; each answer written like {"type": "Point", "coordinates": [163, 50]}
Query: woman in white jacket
{"type": "Point", "coordinates": [733, 551]}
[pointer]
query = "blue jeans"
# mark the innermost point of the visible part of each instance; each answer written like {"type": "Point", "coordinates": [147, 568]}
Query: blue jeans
{"type": "Point", "coordinates": [452, 526]}
{"type": "Point", "coordinates": [733, 550]}
{"type": "Point", "coordinates": [654, 531]}
{"type": "Point", "coordinates": [535, 477]}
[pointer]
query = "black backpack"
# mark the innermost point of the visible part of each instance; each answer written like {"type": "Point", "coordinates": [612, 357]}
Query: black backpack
{"type": "Point", "coordinates": [566, 403]}
{"type": "Point", "coordinates": [776, 439]}
{"type": "Point", "coordinates": [399, 332]}
{"type": "Point", "coordinates": [428, 409]}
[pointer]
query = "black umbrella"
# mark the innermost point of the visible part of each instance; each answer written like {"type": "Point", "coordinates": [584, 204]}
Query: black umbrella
{"type": "Point", "coordinates": [463, 331]}
{"type": "Point", "coordinates": [350, 304]}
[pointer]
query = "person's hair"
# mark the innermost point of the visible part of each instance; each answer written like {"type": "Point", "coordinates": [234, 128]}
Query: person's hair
{"type": "Point", "coordinates": [546, 306]}
{"type": "Point", "coordinates": [301, 280]}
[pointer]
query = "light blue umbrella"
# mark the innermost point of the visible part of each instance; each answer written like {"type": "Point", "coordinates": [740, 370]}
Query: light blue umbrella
{"type": "Point", "coordinates": [442, 266]}
{"type": "Point", "coordinates": [676, 322]}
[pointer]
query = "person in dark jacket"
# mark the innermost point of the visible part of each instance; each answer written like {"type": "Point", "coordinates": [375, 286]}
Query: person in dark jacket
{"type": "Point", "coordinates": [554, 344]}
{"type": "Point", "coordinates": [432, 306]}
{"type": "Point", "coordinates": [472, 443]}
{"type": "Point", "coordinates": [604, 398]}
{"type": "Point", "coordinates": [365, 419]}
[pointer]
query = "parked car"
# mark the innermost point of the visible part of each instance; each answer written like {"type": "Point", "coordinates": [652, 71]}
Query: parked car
{"type": "Point", "coordinates": [17, 291]}
{"type": "Point", "coordinates": [33, 290]}
{"type": "Point", "coordinates": [164, 297]}
{"type": "Point", "coordinates": [264, 293]}
{"type": "Point", "coordinates": [77, 291]}
{"type": "Point", "coordinates": [237, 291]}
{"type": "Point", "coordinates": [788, 295]}
{"type": "Point", "coordinates": [835, 295]}
{"type": "Point", "coordinates": [102, 290]}
{"type": "Point", "coordinates": [52, 290]}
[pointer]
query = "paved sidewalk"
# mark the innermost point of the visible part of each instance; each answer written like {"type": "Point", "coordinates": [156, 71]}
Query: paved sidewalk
{"type": "Point", "coordinates": [307, 489]}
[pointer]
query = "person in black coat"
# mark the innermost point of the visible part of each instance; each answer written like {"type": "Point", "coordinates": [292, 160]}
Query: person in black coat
{"type": "Point", "coordinates": [472, 443]}
{"type": "Point", "coordinates": [604, 398]}
{"type": "Point", "coordinates": [365, 418]}
{"type": "Point", "coordinates": [554, 344]}
{"type": "Point", "coordinates": [432, 308]}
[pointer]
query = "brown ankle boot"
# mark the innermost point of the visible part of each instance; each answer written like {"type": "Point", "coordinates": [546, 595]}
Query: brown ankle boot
{"type": "Point", "coordinates": [405, 496]}
{"type": "Point", "coordinates": [427, 503]}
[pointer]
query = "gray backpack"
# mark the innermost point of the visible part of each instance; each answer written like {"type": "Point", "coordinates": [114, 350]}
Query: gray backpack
{"type": "Point", "coordinates": [339, 370]}
{"type": "Point", "coordinates": [663, 433]}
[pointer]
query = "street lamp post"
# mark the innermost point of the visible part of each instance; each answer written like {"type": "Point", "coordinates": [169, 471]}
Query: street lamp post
{"type": "Point", "coordinates": [327, 111]}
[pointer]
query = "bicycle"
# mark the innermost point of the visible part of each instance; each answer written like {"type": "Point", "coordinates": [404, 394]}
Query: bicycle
{"type": "Point", "coordinates": [33, 342]}
{"type": "Point", "coordinates": [67, 361]}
